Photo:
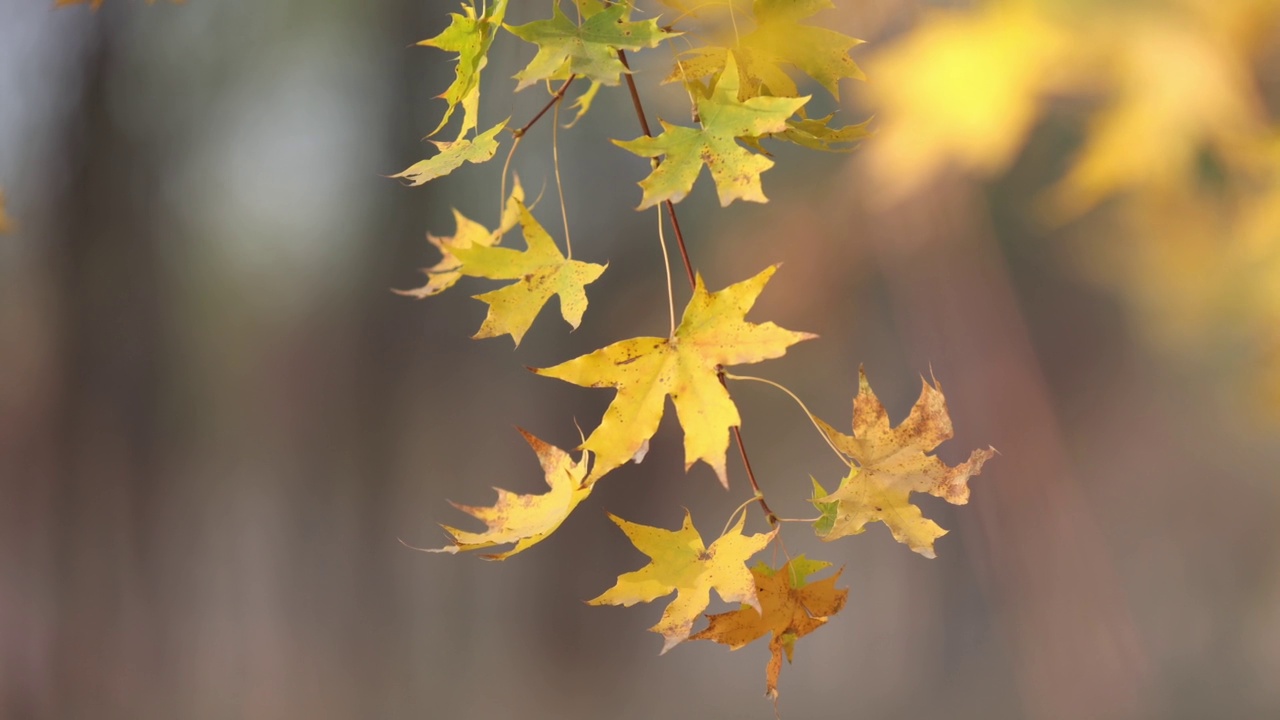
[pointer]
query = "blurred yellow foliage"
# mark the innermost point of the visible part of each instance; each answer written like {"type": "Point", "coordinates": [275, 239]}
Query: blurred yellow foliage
{"type": "Point", "coordinates": [1177, 178]}
{"type": "Point", "coordinates": [963, 87]}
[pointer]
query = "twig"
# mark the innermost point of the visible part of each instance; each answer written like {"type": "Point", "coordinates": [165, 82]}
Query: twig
{"type": "Point", "coordinates": [644, 127]}
{"type": "Point", "coordinates": [556, 97]}
{"type": "Point", "coordinates": [755, 487]}
{"type": "Point", "coordinates": [688, 268]}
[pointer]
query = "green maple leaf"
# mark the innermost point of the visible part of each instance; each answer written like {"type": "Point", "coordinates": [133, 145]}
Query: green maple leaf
{"type": "Point", "coordinates": [817, 134]}
{"type": "Point", "coordinates": [588, 50]}
{"type": "Point", "coordinates": [469, 35]}
{"type": "Point", "coordinates": [735, 170]}
{"type": "Point", "coordinates": [778, 39]}
{"type": "Point", "coordinates": [452, 155]}
{"type": "Point", "coordinates": [823, 525]}
{"type": "Point", "coordinates": [540, 271]}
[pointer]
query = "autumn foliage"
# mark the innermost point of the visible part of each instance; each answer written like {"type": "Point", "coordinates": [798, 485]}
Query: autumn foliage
{"type": "Point", "coordinates": [743, 91]}
{"type": "Point", "coordinates": [1178, 147]}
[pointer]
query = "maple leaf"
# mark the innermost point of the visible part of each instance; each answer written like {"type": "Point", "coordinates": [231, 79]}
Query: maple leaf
{"type": "Point", "coordinates": [645, 370]}
{"type": "Point", "coordinates": [583, 103]}
{"type": "Point", "coordinates": [445, 273]}
{"type": "Point", "coordinates": [735, 170]}
{"type": "Point", "coordinates": [891, 464]}
{"type": "Point", "coordinates": [588, 50]}
{"type": "Point", "coordinates": [680, 563]}
{"type": "Point", "coordinates": [817, 134]}
{"type": "Point", "coordinates": [6, 225]}
{"type": "Point", "coordinates": [525, 520]}
{"type": "Point", "coordinates": [469, 35]}
{"type": "Point", "coordinates": [541, 271]}
{"type": "Point", "coordinates": [778, 39]}
{"type": "Point", "coordinates": [452, 155]}
{"type": "Point", "coordinates": [790, 608]}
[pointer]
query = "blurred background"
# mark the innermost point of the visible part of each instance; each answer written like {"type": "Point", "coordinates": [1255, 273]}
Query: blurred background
{"type": "Point", "coordinates": [217, 422]}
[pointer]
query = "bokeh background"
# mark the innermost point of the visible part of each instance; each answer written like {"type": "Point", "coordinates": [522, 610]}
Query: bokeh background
{"type": "Point", "coordinates": [217, 422]}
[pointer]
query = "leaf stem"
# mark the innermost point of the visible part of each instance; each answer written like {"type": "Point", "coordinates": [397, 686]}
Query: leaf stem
{"type": "Point", "coordinates": [555, 165]}
{"type": "Point", "coordinates": [812, 418]}
{"type": "Point", "coordinates": [734, 514]}
{"type": "Point", "coordinates": [666, 266]}
{"type": "Point", "coordinates": [644, 127]}
{"type": "Point", "coordinates": [502, 184]}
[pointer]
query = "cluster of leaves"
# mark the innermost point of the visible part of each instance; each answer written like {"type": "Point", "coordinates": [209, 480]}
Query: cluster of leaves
{"type": "Point", "coordinates": [1176, 181]}
{"type": "Point", "coordinates": [743, 90]}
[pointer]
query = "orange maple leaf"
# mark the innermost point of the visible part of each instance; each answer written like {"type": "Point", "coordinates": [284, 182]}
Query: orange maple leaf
{"type": "Point", "coordinates": [790, 608]}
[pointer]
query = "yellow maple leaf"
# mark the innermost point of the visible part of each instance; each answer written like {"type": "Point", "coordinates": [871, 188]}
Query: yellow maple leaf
{"type": "Point", "coordinates": [962, 88]}
{"type": "Point", "coordinates": [445, 273]}
{"type": "Point", "coordinates": [790, 608]}
{"type": "Point", "coordinates": [778, 39]}
{"type": "Point", "coordinates": [540, 271]}
{"type": "Point", "coordinates": [891, 464]}
{"type": "Point", "coordinates": [645, 370]}
{"type": "Point", "coordinates": [525, 520]}
{"type": "Point", "coordinates": [680, 563]}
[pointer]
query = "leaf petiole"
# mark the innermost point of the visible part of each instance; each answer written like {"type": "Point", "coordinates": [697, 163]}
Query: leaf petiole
{"type": "Point", "coordinates": [803, 407]}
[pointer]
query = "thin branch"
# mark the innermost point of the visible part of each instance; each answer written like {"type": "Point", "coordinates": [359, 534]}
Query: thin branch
{"type": "Point", "coordinates": [755, 487]}
{"type": "Point", "coordinates": [688, 268]}
{"type": "Point", "coordinates": [556, 97]}
{"type": "Point", "coordinates": [644, 126]}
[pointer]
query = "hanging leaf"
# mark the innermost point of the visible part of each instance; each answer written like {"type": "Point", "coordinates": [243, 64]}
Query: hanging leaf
{"type": "Point", "coordinates": [680, 563]}
{"type": "Point", "coordinates": [891, 464]}
{"type": "Point", "coordinates": [452, 155]}
{"type": "Point", "coordinates": [790, 608]}
{"type": "Point", "coordinates": [735, 170]}
{"type": "Point", "coordinates": [777, 41]}
{"type": "Point", "coordinates": [444, 274]}
{"type": "Point", "coordinates": [469, 35]}
{"type": "Point", "coordinates": [645, 370]}
{"type": "Point", "coordinates": [588, 50]}
{"type": "Point", "coordinates": [525, 520]}
{"type": "Point", "coordinates": [540, 272]}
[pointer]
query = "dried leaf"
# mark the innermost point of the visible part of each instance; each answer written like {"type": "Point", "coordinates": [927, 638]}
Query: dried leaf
{"type": "Point", "coordinates": [891, 464]}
